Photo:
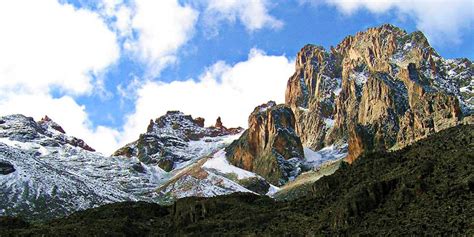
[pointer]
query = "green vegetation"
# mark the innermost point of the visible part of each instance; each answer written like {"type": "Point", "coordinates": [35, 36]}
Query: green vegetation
{"type": "Point", "coordinates": [424, 189]}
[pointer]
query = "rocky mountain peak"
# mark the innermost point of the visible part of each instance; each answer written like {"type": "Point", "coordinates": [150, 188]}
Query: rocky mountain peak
{"type": "Point", "coordinates": [378, 89]}
{"type": "Point", "coordinates": [173, 138]}
{"type": "Point", "coordinates": [270, 146]}
{"type": "Point", "coordinates": [46, 122]}
{"type": "Point", "coordinates": [218, 123]}
{"type": "Point", "coordinates": [45, 132]}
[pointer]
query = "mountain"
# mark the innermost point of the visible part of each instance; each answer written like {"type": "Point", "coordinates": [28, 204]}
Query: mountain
{"type": "Point", "coordinates": [379, 89]}
{"type": "Point", "coordinates": [176, 139]}
{"type": "Point", "coordinates": [424, 188]}
{"type": "Point", "coordinates": [45, 173]}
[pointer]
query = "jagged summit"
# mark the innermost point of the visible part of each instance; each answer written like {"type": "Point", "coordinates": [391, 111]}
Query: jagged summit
{"type": "Point", "coordinates": [47, 122]}
{"type": "Point", "coordinates": [379, 89]}
{"type": "Point", "coordinates": [175, 138]}
{"type": "Point", "coordinates": [46, 132]}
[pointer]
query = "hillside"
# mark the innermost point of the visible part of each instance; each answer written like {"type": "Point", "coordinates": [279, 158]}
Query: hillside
{"type": "Point", "coordinates": [45, 173]}
{"type": "Point", "coordinates": [423, 189]}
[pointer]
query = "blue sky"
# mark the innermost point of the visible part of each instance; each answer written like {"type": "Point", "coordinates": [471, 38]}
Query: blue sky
{"type": "Point", "coordinates": [133, 60]}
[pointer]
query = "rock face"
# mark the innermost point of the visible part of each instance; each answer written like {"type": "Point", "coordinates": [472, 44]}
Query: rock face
{"type": "Point", "coordinates": [47, 122]}
{"type": "Point", "coordinates": [175, 138]}
{"type": "Point", "coordinates": [270, 146]}
{"type": "Point", "coordinates": [46, 132]}
{"type": "Point", "coordinates": [6, 168]}
{"type": "Point", "coordinates": [377, 90]}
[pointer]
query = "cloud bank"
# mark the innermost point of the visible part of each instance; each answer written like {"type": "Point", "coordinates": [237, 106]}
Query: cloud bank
{"type": "Point", "coordinates": [49, 47]}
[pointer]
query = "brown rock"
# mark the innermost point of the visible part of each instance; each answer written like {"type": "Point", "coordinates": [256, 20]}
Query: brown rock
{"type": "Point", "coordinates": [270, 146]}
{"type": "Point", "coordinates": [219, 123]}
{"type": "Point", "coordinates": [47, 121]}
{"type": "Point", "coordinates": [199, 121]}
{"type": "Point", "coordinates": [377, 90]}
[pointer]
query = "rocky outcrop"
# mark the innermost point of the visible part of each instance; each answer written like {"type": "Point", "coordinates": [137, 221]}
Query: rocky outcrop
{"type": "Point", "coordinates": [45, 132]}
{"type": "Point", "coordinates": [6, 168]}
{"type": "Point", "coordinates": [49, 125]}
{"type": "Point", "coordinates": [380, 89]}
{"type": "Point", "coordinates": [48, 122]}
{"type": "Point", "coordinates": [270, 146]}
{"type": "Point", "coordinates": [168, 140]}
{"type": "Point", "coordinates": [219, 123]}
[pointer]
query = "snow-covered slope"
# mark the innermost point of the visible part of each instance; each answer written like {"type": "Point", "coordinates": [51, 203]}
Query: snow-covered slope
{"type": "Point", "coordinates": [314, 159]}
{"type": "Point", "coordinates": [213, 176]}
{"type": "Point", "coordinates": [46, 173]}
{"type": "Point", "coordinates": [52, 177]}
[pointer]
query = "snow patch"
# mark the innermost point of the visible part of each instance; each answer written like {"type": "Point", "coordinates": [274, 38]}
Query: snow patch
{"type": "Point", "coordinates": [220, 163]}
{"type": "Point", "coordinates": [272, 190]}
{"type": "Point", "coordinates": [337, 91]}
{"type": "Point", "coordinates": [303, 109]}
{"type": "Point", "coordinates": [329, 122]}
{"type": "Point", "coordinates": [212, 185]}
{"type": "Point", "coordinates": [315, 159]}
{"type": "Point", "coordinates": [407, 46]}
{"type": "Point", "coordinates": [338, 88]}
{"type": "Point", "coordinates": [359, 77]}
{"type": "Point", "coordinates": [31, 146]}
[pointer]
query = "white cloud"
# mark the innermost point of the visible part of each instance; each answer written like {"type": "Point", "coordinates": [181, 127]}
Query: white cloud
{"type": "Point", "coordinates": [162, 27]}
{"type": "Point", "coordinates": [229, 91]}
{"type": "Point", "coordinates": [47, 45]}
{"type": "Point", "coordinates": [153, 31]}
{"type": "Point", "coordinates": [442, 20]}
{"type": "Point", "coordinates": [253, 14]}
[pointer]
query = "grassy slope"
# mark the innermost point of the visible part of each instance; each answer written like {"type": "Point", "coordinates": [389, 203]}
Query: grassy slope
{"type": "Point", "coordinates": [424, 189]}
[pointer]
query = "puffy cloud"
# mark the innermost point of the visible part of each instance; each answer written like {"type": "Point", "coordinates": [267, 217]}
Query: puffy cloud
{"type": "Point", "coordinates": [229, 91]}
{"type": "Point", "coordinates": [253, 14]}
{"type": "Point", "coordinates": [153, 31]}
{"type": "Point", "coordinates": [46, 45]}
{"type": "Point", "coordinates": [161, 28]}
{"type": "Point", "coordinates": [442, 21]}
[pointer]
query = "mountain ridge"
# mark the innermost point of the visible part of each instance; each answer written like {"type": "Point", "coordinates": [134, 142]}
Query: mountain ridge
{"type": "Point", "coordinates": [380, 89]}
{"type": "Point", "coordinates": [424, 188]}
